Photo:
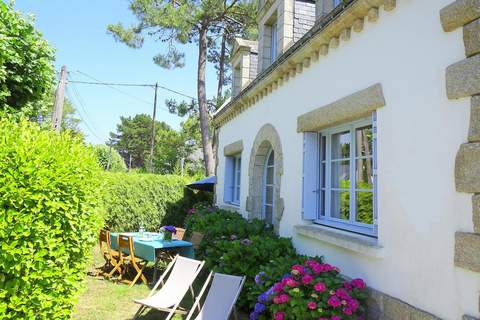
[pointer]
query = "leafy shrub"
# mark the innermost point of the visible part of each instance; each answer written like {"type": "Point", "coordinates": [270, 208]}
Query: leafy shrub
{"type": "Point", "coordinates": [27, 74]}
{"type": "Point", "coordinates": [132, 200]}
{"type": "Point", "coordinates": [310, 290]}
{"type": "Point", "coordinates": [109, 158]}
{"type": "Point", "coordinates": [237, 246]}
{"type": "Point", "coordinates": [217, 224]}
{"type": "Point", "coordinates": [49, 217]}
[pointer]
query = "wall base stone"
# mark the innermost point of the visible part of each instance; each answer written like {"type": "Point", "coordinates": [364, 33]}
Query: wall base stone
{"type": "Point", "coordinates": [381, 306]}
{"type": "Point", "coordinates": [474, 131]}
{"type": "Point", "coordinates": [471, 38]}
{"type": "Point", "coordinates": [467, 248]}
{"type": "Point", "coordinates": [463, 78]}
{"type": "Point", "coordinates": [467, 168]}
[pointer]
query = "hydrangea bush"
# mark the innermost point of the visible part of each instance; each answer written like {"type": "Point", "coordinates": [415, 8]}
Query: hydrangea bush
{"type": "Point", "coordinates": [311, 290]}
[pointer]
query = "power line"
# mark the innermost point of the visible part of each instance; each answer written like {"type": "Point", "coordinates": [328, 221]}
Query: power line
{"type": "Point", "coordinates": [82, 105]}
{"type": "Point", "coordinates": [98, 82]}
{"type": "Point", "coordinates": [80, 115]}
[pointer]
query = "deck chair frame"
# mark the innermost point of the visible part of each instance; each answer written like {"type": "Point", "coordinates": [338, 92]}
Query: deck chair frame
{"type": "Point", "coordinates": [173, 310]}
{"type": "Point", "coordinates": [204, 288]}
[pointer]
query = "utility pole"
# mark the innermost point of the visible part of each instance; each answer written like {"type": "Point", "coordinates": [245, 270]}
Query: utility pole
{"type": "Point", "coordinates": [152, 145]}
{"type": "Point", "coordinates": [59, 97]}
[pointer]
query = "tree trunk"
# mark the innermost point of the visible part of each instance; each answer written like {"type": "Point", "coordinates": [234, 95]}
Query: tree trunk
{"type": "Point", "coordinates": [202, 103]}
{"type": "Point", "coordinates": [221, 71]}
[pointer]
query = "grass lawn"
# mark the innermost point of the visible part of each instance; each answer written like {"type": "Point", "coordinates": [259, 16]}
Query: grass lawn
{"type": "Point", "coordinates": [105, 299]}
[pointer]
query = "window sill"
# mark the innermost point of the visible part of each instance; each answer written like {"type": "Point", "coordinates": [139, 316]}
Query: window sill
{"type": "Point", "coordinates": [230, 206]}
{"type": "Point", "coordinates": [343, 239]}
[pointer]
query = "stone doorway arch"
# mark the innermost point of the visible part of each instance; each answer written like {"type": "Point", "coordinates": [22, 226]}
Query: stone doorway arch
{"type": "Point", "coordinates": [267, 139]}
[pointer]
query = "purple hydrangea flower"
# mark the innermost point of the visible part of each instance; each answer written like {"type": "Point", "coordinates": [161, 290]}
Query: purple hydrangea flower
{"type": "Point", "coordinates": [246, 242]}
{"type": "Point", "coordinates": [259, 308]}
{"type": "Point", "coordinates": [258, 277]}
{"type": "Point", "coordinates": [253, 316]}
{"type": "Point", "coordinates": [172, 229]}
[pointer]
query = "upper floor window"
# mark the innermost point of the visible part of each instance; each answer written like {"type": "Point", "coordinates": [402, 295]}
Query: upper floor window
{"type": "Point", "coordinates": [273, 42]}
{"type": "Point", "coordinates": [342, 162]}
{"type": "Point", "coordinates": [233, 167]}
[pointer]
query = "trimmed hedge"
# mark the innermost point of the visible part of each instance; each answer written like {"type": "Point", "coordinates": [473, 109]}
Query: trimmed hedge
{"type": "Point", "coordinates": [49, 192]}
{"type": "Point", "coordinates": [133, 199]}
{"type": "Point", "coordinates": [109, 158]}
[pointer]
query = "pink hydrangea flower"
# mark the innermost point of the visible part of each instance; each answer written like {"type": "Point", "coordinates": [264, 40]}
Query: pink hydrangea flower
{"type": "Point", "coordinates": [282, 298]}
{"type": "Point", "coordinates": [306, 279]}
{"type": "Point", "coordinates": [347, 311]}
{"type": "Point", "coordinates": [279, 315]}
{"type": "Point", "coordinates": [320, 287]}
{"type": "Point", "coordinates": [299, 268]}
{"type": "Point", "coordinates": [341, 293]}
{"type": "Point", "coordinates": [277, 287]}
{"type": "Point", "coordinates": [353, 304]}
{"type": "Point", "coordinates": [347, 286]}
{"type": "Point", "coordinates": [291, 283]}
{"type": "Point", "coordinates": [358, 283]}
{"type": "Point", "coordinates": [335, 318]}
{"type": "Point", "coordinates": [334, 301]}
{"type": "Point", "coordinates": [311, 305]}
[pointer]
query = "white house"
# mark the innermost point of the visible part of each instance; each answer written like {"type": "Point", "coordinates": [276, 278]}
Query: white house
{"type": "Point", "coordinates": [354, 128]}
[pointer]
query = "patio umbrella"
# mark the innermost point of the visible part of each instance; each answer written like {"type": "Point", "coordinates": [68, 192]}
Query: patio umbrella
{"type": "Point", "coordinates": [204, 184]}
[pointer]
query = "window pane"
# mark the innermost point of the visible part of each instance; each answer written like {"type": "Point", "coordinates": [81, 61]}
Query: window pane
{"type": "Point", "coordinates": [364, 140]}
{"type": "Point", "coordinates": [271, 159]}
{"type": "Point", "coordinates": [269, 178]}
{"type": "Point", "coordinates": [341, 145]}
{"type": "Point", "coordinates": [323, 145]}
{"type": "Point", "coordinates": [268, 213]}
{"type": "Point", "coordinates": [322, 175]}
{"type": "Point", "coordinates": [364, 173]}
{"type": "Point", "coordinates": [322, 202]}
{"type": "Point", "coordinates": [269, 195]}
{"type": "Point", "coordinates": [340, 205]}
{"type": "Point", "coordinates": [364, 207]}
{"type": "Point", "coordinates": [341, 174]}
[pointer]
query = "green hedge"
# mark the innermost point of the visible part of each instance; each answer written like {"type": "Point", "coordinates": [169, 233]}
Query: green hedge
{"type": "Point", "coordinates": [133, 199]}
{"type": "Point", "coordinates": [49, 185]}
{"type": "Point", "coordinates": [109, 158]}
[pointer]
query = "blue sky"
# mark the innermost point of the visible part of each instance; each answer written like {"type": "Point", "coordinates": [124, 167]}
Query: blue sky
{"type": "Point", "coordinates": [77, 29]}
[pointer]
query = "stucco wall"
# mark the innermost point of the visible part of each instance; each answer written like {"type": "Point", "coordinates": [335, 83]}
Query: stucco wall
{"type": "Point", "coordinates": [419, 131]}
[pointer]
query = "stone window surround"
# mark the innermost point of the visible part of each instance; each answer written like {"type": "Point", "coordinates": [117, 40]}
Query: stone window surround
{"type": "Point", "coordinates": [267, 138]}
{"type": "Point", "coordinates": [352, 107]}
{"type": "Point", "coordinates": [233, 148]}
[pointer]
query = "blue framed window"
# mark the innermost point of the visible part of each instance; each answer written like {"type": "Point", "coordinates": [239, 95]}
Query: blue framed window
{"type": "Point", "coordinates": [340, 177]}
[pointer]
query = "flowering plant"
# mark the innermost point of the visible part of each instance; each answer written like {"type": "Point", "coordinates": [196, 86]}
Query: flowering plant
{"type": "Point", "coordinates": [168, 231]}
{"type": "Point", "coordinates": [311, 290]}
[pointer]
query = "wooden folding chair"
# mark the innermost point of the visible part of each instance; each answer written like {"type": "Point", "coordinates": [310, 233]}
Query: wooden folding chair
{"type": "Point", "coordinates": [196, 239]}
{"type": "Point", "coordinates": [179, 234]}
{"type": "Point", "coordinates": [109, 255]}
{"type": "Point", "coordinates": [125, 243]}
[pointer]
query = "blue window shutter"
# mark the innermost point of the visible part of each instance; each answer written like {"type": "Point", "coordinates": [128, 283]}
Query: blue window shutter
{"type": "Point", "coordinates": [229, 178]}
{"type": "Point", "coordinates": [310, 175]}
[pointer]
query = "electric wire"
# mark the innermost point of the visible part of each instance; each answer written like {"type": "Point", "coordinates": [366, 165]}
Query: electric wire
{"type": "Point", "coordinates": [70, 97]}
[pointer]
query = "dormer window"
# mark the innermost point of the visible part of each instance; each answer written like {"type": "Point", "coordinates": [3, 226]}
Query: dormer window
{"type": "Point", "coordinates": [273, 42]}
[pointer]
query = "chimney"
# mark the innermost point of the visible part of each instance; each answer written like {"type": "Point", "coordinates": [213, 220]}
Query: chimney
{"type": "Point", "coordinates": [244, 61]}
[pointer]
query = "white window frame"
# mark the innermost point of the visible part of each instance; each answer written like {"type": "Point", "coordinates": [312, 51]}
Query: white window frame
{"type": "Point", "coordinates": [265, 185]}
{"type": "Point", "coordinates": [325, 218]}
{"type": "Point", "coordinates": [237, 173]}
